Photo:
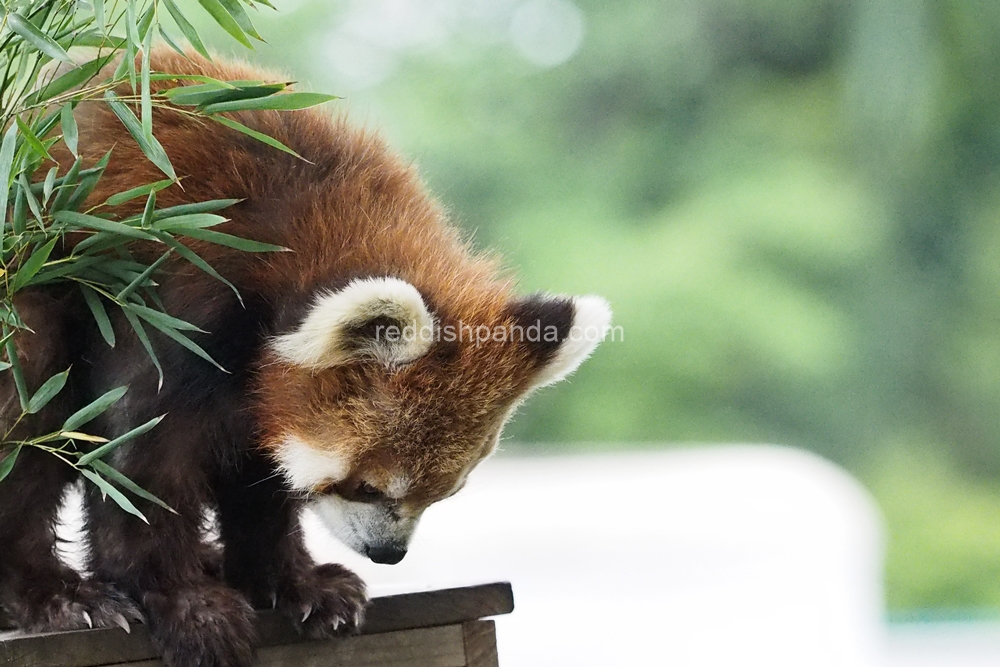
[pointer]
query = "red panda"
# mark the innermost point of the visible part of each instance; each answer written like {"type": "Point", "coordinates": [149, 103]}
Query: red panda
{"type": "Point", "coordinates": [369, 370]}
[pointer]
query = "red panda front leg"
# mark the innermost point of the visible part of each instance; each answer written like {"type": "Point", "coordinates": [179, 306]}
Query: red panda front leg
{"type": "Point", "coordinates": [265, 555]}
{"type": "Point", "coordinates": [194, 618]}
{"type": "Point", "coordinates": [37, 590]}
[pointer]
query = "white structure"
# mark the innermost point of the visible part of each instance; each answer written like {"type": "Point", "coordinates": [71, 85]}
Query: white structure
{"type": "Point", "coordinates": [739, 555]}
{"type": "Point", "coordinates": [735, 555]}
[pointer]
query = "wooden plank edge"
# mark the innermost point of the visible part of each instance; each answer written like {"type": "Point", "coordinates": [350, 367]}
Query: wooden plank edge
{"type": "Point", "coordinates": [409, 610]}
{"type": "Point", "coordinates": [442, 646]}
{"type": "Point", "coordinates": [90, 648]}
{"type": "Point", "coordinates": [480, 639]}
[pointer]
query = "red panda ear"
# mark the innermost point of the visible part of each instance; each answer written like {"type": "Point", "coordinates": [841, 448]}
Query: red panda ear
{"type": "Point", "coordinates": [561, 332]}
{"type": "Point", "coordinates": [381, 318]}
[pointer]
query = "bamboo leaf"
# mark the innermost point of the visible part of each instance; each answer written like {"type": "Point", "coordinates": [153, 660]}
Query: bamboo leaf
{"type": "Point", "coordinates": [71, 79]}
{"type": "Point", "coordinates": [15, 369]}
{"type": "Point", "coordinates": [86, 437]}
{"type": "Point", "coordinates": [97, 39]}
{"type": "Point", "coordinates": [186, 342]}
{"type": "Point", "coordinates": [226, 21]}
{"type": "Point", "coordinates": [228, 84]}
{"type": "Point", "coordinates": [78, 220]}
{"type": "Point", "coordinates": [29, 197]}
{"type": "Point", "coordinates": [161, 319]}
{"type": "Point", "coordinates": [169, 40]}
{"type": "Point", "coordinates": [144, 339]}
{"type": "Point", "coordinates": [127, 63]}
{"type": "Point", "coordinates": [200, 207]}
{"type": "Point", "coordinates": [185, 27]}
{"type": "Point", "coordinates": [146, 98]}
{"type": "Point", "coordinates": [124, 482]}
{"type": "Point", "coordinates": [241, 17]}
{"type": "Point", "coordinates": [31, 139]}
{"type": "Point", "coordinates": [259, 136]}
{"type": "Point", "coordinates": [102, 23]}
{"type": "Point", "coordinates": [208, 93]}
{"type": "Point", "coordinates": [93, 409]}
{"type": "Point", "coordinates": [190, 221]}
{"type": "Point", "coordinates": [69, 183]}
{"type": "Point", "coordinates": [49, 184]}
{"type": "Point", "coordinates": [88, 182]}
{"type": "Point", "coordinates": [114, 444]}
{"type": "Point", "coordinates": [131, 25]}
{"type": "Point", "coordinates": [143, 277]}
{"type": "Point", "coordinates": [147, 20]}
{"type": "Point", "coordinates": [66, 34]}
{"type": "Point", "coordinates": [33, 264]}
{"type": "Point", "coordinates": [149, 145]}
{"type": "Point", "coordinates": [131, 28]}
{"type": "Point", "coordinates": [119, 270]}
{"type": "Point", "coordinates": [47, 392]}
{"type": "Point", "coordinates": [6, 165]}
{"type": "Point", "coordinates": [147, 213]}
{"type": "Point", "coordinates": [201, 78]}
{"type": "Point", "coordinates": [19, 221]}
{"type": "Point", "coordinates": [195, 259]}
{"type": "Point", "coordinates": [71, 135]}
{"type": "Point", "coordinates": [195, 94]}
{"type": "Point", "coordinates": [128, 195]}
{"type": "Point", "coordinates": [282, 102]}
{"type": "Point", "coordinates": [46, 124]}
{"type": "Point", "coordinates": [93, 300]}
{"type": "Point", "coordinates": [230, 241]}
{"type": "Point", "coordinates": [97, 243]}
{"type": "Point", "coordinates": [8, 461]}
{"type": "Point", "coordinates": [76, 266]}
{"type": "Point", "coordinates": [38, 39]}
{"type": "Point", "coordinates": [110, 491]}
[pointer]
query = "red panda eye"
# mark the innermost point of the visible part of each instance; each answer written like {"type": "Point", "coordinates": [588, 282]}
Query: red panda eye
{"type": "Point", "coordinates": [368, 492]}
{"type": "Point", "coordinates": [358, 492]}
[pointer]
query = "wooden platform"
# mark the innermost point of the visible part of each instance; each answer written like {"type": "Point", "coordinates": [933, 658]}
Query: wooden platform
{"type": "Point", "coordinates": [435, 629]}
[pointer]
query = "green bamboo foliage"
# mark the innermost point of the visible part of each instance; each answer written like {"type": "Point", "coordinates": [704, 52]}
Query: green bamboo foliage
{"type": "Point", "coordinates": [40, 203]}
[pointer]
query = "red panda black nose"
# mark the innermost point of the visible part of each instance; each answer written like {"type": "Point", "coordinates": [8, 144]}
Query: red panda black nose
{"type": "Point", "coordinates": [385, 555]}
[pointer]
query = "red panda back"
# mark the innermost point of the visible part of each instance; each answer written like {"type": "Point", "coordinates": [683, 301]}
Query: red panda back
{"type": "Point", "coordinates": [349, 208]}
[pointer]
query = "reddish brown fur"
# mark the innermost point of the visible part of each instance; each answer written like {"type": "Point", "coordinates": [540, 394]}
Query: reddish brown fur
{"type": "Point", "coordinates": [357, 210]}
{"type": "Point", "coordinates": [350, 210]}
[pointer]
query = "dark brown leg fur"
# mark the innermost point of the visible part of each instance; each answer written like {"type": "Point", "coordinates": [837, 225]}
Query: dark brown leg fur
{"type": "Point", "coordinates": [37, 591]}
{"type": "Point", "coordinates": [194, 618]}
{"type": "Point", "coordinates": [266, 557]}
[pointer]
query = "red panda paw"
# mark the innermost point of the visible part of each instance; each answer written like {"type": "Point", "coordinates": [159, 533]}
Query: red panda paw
{"type": "Point", "coordinates": [207, 625]}
{"type": "Point", "coordinates": [325, 601]}
{"type": "Point", "coordinates": [73, 604]}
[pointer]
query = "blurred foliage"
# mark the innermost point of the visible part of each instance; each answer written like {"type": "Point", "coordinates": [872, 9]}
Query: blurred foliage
{"type": "Point", "coordinates": [944, 533]}
{"type": "Point", "coordinates": [791, 204]}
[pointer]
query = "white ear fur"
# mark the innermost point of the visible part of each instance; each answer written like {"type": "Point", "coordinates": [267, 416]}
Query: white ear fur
{"type": "Point", "coordinates": [321, 341]}
{"type": "Point", "coordinates": [591, 323]}
{"type": "Point", "coordinates": [306, 467]}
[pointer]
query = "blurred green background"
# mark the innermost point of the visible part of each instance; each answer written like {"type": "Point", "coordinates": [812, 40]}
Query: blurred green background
{"type": "Point", "coordinates": [792, 205]}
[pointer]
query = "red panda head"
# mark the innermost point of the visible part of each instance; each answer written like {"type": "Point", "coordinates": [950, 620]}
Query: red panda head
{"type": "Point", "coordinates": [380, 401]}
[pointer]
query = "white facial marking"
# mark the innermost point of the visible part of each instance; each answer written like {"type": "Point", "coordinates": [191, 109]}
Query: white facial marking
{"type": "Point", "coordinates": [591, 322]}
{"type": "Point", "coordinates": [306, 467]}
{"type": "Point", "coordinates": [397, 487]}
{"type": "Point", "coordinates": [364, 525]}
{"type": "Point", "coordinates": [319, 342]}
